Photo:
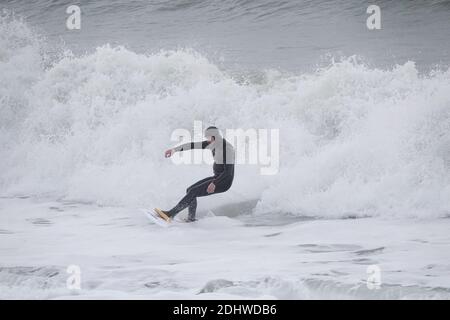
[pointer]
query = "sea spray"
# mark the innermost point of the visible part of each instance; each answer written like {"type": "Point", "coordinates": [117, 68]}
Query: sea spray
{"type": "Point", "coordinates": [354, 140]}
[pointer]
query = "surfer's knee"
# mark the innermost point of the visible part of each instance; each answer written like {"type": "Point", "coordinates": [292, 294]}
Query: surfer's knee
{"type": "Point", "coordinates": [190, 188]}
{"type": "Point", "coordinates": [191, 191]}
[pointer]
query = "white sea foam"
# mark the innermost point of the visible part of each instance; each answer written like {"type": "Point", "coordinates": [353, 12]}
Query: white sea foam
{"type": "Point", "coordinates": [122, 255]}
{"type": "Point", "coordinates": [355, 140]}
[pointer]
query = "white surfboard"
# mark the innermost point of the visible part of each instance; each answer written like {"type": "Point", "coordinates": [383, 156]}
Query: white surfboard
{"type": "Point", "coordinates": [155, 218]}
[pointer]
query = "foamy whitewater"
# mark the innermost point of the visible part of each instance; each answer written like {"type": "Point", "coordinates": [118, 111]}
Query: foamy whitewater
{"type": "Point", "coordinates": [364, 176]}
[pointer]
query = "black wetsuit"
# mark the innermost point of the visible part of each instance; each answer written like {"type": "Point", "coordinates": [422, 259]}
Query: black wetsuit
{"type": "Point", "coordinates": [223, 169]}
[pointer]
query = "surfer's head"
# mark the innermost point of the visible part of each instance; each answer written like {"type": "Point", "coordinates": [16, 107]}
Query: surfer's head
{"type": "Point", "coordinates": [212, 133]}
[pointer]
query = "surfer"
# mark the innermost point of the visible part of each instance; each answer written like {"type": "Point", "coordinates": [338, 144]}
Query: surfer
{"type": "Point", "coordinates": [221, 181]}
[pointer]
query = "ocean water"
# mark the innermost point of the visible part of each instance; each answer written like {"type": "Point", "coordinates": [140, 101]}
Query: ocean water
{"type": "Point", "coordinates": [364, 122]}
{"type": "Point", "coordinates": [247, 35]}
{"type": "Point", "coordinates": [121, 255]}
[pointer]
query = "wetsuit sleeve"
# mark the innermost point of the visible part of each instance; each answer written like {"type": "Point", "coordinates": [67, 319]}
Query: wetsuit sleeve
{"type": "Point", "coordinates": [192, 145]}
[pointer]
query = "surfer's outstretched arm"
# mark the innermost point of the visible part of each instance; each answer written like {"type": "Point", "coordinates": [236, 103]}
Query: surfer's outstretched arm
{"type": "Point", "coordinates": [187, 146]}
{"type": "Point", "coordinates": [192, 145]}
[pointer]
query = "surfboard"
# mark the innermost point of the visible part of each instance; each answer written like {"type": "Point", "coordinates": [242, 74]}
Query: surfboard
{"type": "Point", "coordinates": [156, 218]}
{"type": "Point", "coordinates": [162, 215]}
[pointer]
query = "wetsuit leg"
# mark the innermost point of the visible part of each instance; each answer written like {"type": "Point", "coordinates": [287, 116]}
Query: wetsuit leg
{"type": "Point", "coordinates": [199, 189]}
{"type": "Point", "coordinates": [199, 183]}
{"type": "Point", "coordinates": [192, 210]}
{"type": "Point", "coordinates": [191, 194]}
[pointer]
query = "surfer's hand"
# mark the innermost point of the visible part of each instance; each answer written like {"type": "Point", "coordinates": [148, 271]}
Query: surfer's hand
{"type": "Point", "coordinates": [211, 187]}
{"type": "Point", "coordinates": [169, 153]}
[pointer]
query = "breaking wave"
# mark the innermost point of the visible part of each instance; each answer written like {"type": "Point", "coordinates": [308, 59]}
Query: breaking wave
{"type": "Point", "coordinates": [354, 140]}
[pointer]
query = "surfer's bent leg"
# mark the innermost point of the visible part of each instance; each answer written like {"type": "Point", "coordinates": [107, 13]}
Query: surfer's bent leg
{"type": "Point", "coordinates": [191, 193]}
{"type": "Point", "coordinates": [193, 204]}
{"type": "Point", "coordinates": [192, 209]}
{"type": "Point", "coordinates": [199, 189]}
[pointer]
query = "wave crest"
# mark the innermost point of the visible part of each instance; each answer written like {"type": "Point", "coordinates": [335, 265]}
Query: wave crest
{"type": "Point", "coordinates": [355, 140]}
